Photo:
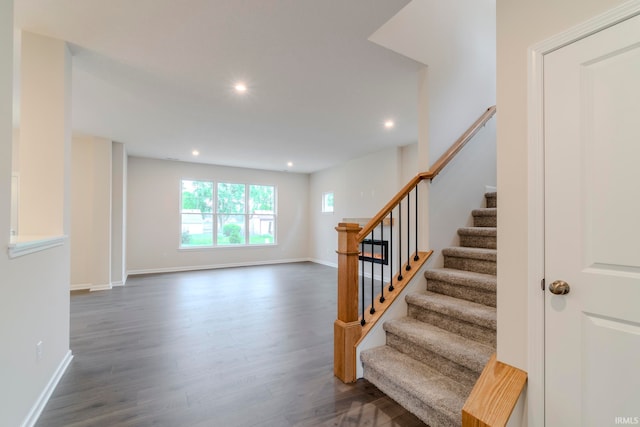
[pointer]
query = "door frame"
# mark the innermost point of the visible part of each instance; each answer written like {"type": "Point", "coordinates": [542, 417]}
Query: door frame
{"type": "Point", "coordinates": [535, 194]}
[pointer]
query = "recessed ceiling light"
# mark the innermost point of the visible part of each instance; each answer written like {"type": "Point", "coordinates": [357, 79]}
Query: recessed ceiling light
{"type": "Point", "coordinates": [240, 87]}
{"type": "Point", "coordinates": [389, 124]}
{"type": "Point", "coordinates": [195, 153]}
{"type": "Point", "coordinates": [289, 164]}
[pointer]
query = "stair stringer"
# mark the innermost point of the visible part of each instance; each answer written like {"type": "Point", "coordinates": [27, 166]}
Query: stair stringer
{"type": "Point", "coordinates": [377, 336]}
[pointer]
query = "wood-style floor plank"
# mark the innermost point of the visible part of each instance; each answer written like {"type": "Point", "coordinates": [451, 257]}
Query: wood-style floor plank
{"type": "Point", "coordinates": [249, 346]}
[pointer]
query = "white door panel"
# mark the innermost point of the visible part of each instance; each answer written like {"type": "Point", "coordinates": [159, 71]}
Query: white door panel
{"type": "Point", "coordinates": [592, 228]}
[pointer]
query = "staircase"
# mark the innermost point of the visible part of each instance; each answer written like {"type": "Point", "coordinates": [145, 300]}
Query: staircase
{"type": "Point", "coordinates": [433, 357]}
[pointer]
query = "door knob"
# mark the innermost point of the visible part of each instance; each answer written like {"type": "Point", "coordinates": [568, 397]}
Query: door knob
{"type": "Point", "coordinates": [559, 287]}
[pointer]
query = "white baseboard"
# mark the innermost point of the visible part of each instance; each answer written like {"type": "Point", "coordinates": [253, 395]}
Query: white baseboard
{"type": "Point", "coordinates": [39, 405]}
{"type": "Point", "coordinates": [122, 282]}
{"type": "Point", "coordinates": [91, 287]}
{"type": "Point", "coordinates": [213, 266]}
{"type": "Point", "coordinates": [104, 287]}
{"type": "Point", "coordinates": [80, 286]}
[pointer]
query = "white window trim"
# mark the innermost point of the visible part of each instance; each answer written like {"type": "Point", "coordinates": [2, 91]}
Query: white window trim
{"type": "Point", "coordinates": [322, 201]}
{"type": "Point", "coordinates": [214, 215]}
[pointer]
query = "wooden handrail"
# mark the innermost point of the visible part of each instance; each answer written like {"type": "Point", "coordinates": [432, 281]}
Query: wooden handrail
{"type": "Point", "coordinates": [459, 144]}
{"type": "Point", "coordinates": [373, 223]}
{"type": "Point", "coordinates": [494, 396]}
{"type": "Point", "coordinates": [430, 174]}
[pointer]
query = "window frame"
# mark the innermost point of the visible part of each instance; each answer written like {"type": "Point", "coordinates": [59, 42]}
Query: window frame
{"type": "Point", "coordinates": [181, 213]}
{"type": "Point", "coordinates": [324, 206]}
{"type": "Point", "coordinates": [247, 216]}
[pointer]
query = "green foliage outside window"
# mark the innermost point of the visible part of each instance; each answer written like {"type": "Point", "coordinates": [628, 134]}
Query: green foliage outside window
{"type": "Point", "coordinates": [242, 214]}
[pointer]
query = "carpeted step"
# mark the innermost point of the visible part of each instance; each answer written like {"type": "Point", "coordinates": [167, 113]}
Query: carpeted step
{"type": "Point", "coordinates": [452, 355]}
{"type": "Point", "coordinates": [469, 319]}
{"type": "Point", "coordinates": [434, 398]}
{"type": "Point", "coordinates": [485, 217]}
{"type": "Point", "coordinates": [479, 260]}
{"type": "Point", "coordinates": [492, 199]}
{"type": "Point", "coordinates": [468, 285]}
{"type": "Point", "coordinates": [478, 237]}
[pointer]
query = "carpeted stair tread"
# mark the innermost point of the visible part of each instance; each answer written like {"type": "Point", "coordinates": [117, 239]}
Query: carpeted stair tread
{"type": "Point", "coordinates": [468, 353]}
{"type": "Point", "coordinates": [492, 199]}
{"type": "Point", "coordinates": [469, 279]}
{"type": "Point", "coordinates": [478, 237]}
{"type": "Point", "coordinates": [435, 399]}
{"type": "Point", "coordinates": [485, 212]}
{"type": "Point", "coordinates": [478, 231]}
{"type": "Point", "coordinates": [485, 217]}
{"type": "Point", "coordinates": [433, 357]}
{"type": "Point", "coordinates": [456, 308]}
{"type": "Point", "coordinates": [471, 253]}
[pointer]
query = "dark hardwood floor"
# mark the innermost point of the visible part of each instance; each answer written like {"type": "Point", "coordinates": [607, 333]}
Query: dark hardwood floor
{"type": "Point", "coordinates": [232, 347]}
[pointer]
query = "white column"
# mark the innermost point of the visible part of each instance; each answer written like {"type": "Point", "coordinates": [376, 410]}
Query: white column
{"type": "Point", "coordinates": [118, 214]}
{"type": "Point", "coordinates": [91, 232]}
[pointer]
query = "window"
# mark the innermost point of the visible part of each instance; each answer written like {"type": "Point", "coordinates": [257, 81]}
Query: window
{"type": "Point", "coordinates": [241, 215]}
{"type": "Point", "coordinates": [327, 201]}
{"type": "Point", "coordinates": [262, 214]}
{"type": "Point", "coordinates": [231, 214]}
{"type": "Point", "coordinates": [196, 213]}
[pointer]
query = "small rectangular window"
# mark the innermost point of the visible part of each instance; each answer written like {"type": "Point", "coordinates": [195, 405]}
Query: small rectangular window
{"type": "Point", "coordinates": [327, 201]}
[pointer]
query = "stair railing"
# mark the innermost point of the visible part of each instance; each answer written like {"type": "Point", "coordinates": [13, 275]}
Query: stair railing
{"type": "Point", "coordinates": [358, 310]}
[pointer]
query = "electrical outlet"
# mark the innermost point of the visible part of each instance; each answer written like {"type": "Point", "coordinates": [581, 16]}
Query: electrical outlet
{"type": "Point", "coordinates": [39, 350]}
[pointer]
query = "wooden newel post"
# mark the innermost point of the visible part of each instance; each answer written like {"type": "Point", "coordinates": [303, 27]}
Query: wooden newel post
{"type": "Point", "coordinates": [347, 328]}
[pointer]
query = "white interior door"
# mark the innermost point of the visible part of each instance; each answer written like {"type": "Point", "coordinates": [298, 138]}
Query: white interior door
{"type": "Point", "coordinates": [592, 229]}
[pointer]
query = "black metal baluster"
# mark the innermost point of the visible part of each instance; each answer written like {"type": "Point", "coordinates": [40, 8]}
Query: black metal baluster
{"type": "Point", "coordinates": [400, 241]}
{"type": "Point", "coordinates": [383, 257]}
{"type": "Point", "coordinates": [373, 295]}
{"type": "Point", "coordinates": [416, 257]}
{"type": "Point", "coordinates": [362, 321]}
{"type": "Point", "coordinates": [391, 251]}
{"type": "Point", "coordinates": [408, 231]}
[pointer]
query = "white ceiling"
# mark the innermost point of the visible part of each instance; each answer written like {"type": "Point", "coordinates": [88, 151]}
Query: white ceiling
{"type": "Point", "coordinates": [158, 75]}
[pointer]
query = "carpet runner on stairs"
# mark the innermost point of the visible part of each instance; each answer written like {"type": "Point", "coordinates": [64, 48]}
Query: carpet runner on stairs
{"type": "Point", "coordinates": [434, 356]}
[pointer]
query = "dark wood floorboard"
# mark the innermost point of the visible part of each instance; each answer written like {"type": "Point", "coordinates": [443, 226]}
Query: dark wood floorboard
{"type": "Point", "coordinates": [248, 346]}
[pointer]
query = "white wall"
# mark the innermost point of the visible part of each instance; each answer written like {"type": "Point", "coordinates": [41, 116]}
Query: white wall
{"type": "Point", "coordinates": [459, 189]}
{"type": "Point", "coordinates": [15, 150]}
{"type": "Point", "coordinates": [35, 288]}
{"type": "Point", "coordinates": [153, 221]}
{"type": "Point", "coordinates": [521, 24]}
{"type": "Point", "coordinates": [45, 128]}
{"type": "Point", "coordinates": [409, 162]}
{"type": "Point", "coordinates": [461, 86]}
{"type": "Point", "coordinates": [90, 236]}
{"type": "Point", "coordinates": [456, 42]}
{"type": "Point", "coordinates": [118, 214]}
{"type": "Point", "coordinates": [361, 188]}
